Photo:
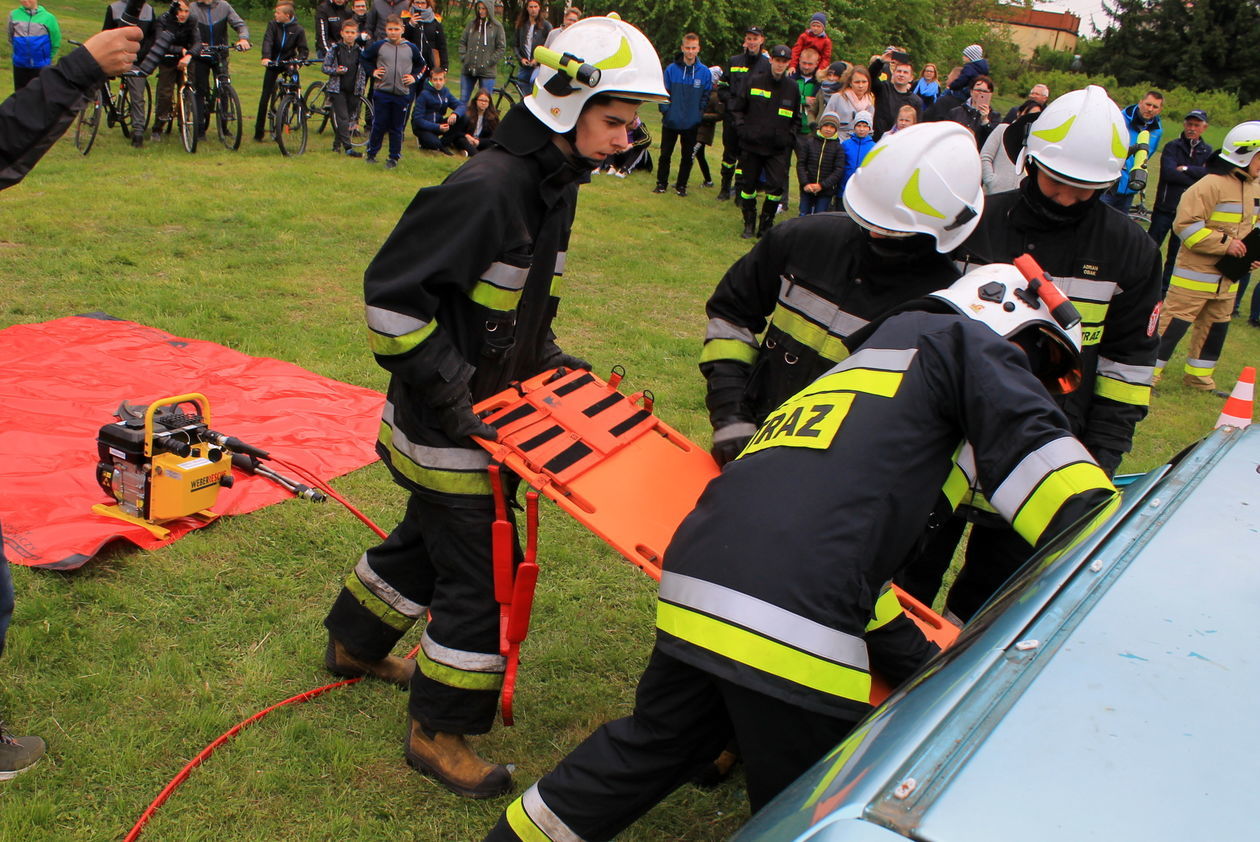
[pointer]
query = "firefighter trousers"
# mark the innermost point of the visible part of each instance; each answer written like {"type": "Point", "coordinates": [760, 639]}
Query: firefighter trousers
{"type": "Point", "coordinates": [1209, 314]}
{"type": "Point", "coordinates": [683, 717]}
{"type": "Point", "coordinates": [754, 165]}
{"type": "Point", "coordinates": [437, 560]}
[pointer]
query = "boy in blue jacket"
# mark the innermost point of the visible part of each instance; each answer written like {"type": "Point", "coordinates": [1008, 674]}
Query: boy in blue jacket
{"type": "Point", "coordinates": [34, 38]}
{"type": "Point", "coordinates": [856, 148]}
{"type": "Point", "coordinates": [438, 117]}
{"type": "Point", "coordinates": [688, 82]}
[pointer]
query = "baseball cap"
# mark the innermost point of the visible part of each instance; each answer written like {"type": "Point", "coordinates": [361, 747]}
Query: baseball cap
{"type": "Point", "coordinates": [755, 30]}
{"type": "Point", "coordinates": [781, 51]}
{"type": "Point", "coordinates": [1198, 114]}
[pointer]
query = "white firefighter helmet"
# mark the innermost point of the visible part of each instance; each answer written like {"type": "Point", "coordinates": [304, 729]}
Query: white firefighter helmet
{"type": "Point", "coordinates": [997, 295]}
{"type": "Point", "coordinates": [1241, 144]}
{"type": "Point", "coordinates": [1080, 139]}
{"type": "Point", "coordinates": [598, 55]}
{"type": "Point", "coordinates": [924, 179]}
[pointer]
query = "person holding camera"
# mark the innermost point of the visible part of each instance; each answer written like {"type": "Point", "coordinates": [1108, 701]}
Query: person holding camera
{"type": "Point", "coordinates": [31, 120]}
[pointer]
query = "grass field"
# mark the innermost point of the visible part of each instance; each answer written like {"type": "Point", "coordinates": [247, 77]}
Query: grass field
{"type": "Point", "coordinates": [133, 664]}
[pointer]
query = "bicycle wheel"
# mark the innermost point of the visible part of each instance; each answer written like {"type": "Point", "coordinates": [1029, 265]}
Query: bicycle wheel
{"type": "Point", "coordinates": [227, 112]}
{"type": "Point", "coordinates": [361, 124]}
{"type": "Point", "coordinates": [503, 99]}
{"type": "Point", "coordinates": [317, 106]}
{"type": "Point", "coordinates": [291, 131]}
{"type": "Point", "coordinates": [189, 118]}
{"type": "Point", "coordinates": [148, 104]}
{"type": "Point", "coordinates": [87, 124]}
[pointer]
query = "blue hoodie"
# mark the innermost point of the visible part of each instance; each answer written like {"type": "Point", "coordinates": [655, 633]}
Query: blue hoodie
{"type": "Point", "coordinates": [688, 87]}
{"type": "Point", "coordinates": [1133, 119]}
{"type": "Point", "coordinates": [855, 150]}
{"type": "Point", "coordinates": [431, 107]}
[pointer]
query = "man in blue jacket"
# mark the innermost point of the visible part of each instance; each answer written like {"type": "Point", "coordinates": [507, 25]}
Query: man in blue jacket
{"type": "Point", "coordinates": [688, 82]}
{"type": "Point", "coordinates": [1142, 117]}
{"type": "Point", "coordinates": [1183, 163]}
{"type": "Point", "coordinates": [438, 117]}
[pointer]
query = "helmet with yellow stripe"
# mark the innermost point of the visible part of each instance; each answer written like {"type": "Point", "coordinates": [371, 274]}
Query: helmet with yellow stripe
{"type": "Point", "coordinates": [1241, 144]}
{"type": "Point", "coordinates": [1080, 139]}
{"type": "Point", "coordinates": [924, 179]}
{"type": "Point", "coordinates": [598, 55]}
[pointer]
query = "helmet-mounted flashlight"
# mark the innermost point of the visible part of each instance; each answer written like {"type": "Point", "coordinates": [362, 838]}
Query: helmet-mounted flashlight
{"type": "Point", "coordinates": [1040, 286]}
{"type": "Point", "coordinates": [568, 66]}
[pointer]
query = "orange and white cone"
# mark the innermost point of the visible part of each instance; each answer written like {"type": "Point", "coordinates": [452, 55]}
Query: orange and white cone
{"type": "Point", "coordinates": [1238, 407]}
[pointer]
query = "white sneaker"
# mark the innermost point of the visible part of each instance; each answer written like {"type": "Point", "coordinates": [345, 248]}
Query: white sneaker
{"type": "Point", "coordinates": [620, 173]}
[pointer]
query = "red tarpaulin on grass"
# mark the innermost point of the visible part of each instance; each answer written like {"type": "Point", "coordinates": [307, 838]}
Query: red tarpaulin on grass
{"type": "Point", "coordinates": [61, 381]}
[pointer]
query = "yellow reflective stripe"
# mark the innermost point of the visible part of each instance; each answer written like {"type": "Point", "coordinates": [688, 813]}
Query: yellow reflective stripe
{"type": "Point", "coordinates": [1197, 286]}
{"type": "Point", "coordinates": [1057, 134]}
{"type": "Point", "coordinates": [447, 482]}
{"type": "Point", "coordinates": [887, 609]}
{"type": "Point", "coordinates": [522, 825]}
{"type": "Point", "coordinates": [865, 380]}
{"type": "Point", "coordinates": [1130, 393]}
{"type": "Point", "coordinates": [955, 486]}
{"type": "Point", "coordinates": [759, 92]}
{"type": "Point", "coordinates": [1198, 237]}
{"type": "Point", "coordinates": [728, 349]}
{"type": "Point", "coordinates": [1091, 311]}
{"type": "Point", "coordinates": [488, 295]}
{"type": "Point", "coordinates": [763, 654]}
{"type": "Point", "coordinates": [785, 112]}
{"type": "Point", "coordinates": [808, 333]}
{"type": "Point", "coordinates": [737, 68]}
{"type": "Point", "coordinates": [1221, 216]}
{"type": "Point", "coordinates": [1052, 492]}
{"type": "Point", "coordinates": [373, 603]}
{"type": "Point", "coordinates": [912, 198]}
{"type": "Point", "coordinates": [619, 59]}
{"type": "Point", "coordinates": [452, 677]}
{"type": "Point", "coordinates": [1200, 370]}
{"type": "Point", "coordinates": [393, 345]}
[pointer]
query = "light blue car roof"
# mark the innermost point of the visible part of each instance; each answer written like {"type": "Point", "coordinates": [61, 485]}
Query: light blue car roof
{"type": "Point", "coordinates": [1109, 694]}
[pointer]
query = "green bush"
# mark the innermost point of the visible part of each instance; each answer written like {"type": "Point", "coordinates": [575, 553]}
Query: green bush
{"type": "Point", "coordinates": [1223, 107]}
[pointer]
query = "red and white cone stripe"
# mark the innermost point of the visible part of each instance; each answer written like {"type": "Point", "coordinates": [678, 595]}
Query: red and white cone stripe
{"type": "Point", "coordinates": [1239, 406]}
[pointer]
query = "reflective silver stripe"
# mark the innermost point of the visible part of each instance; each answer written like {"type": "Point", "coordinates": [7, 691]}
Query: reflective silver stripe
{"type": "Point", "coordinates": [459, 659]}
{"type": "Point", "coordinates": [818, 309]}
{"type": "Point", "coordinates": [442, 458]}
{"type": "Point", "coordinates": [506, 277]}
{"type": "Point", "coordinates": [760, 616]}
{"type": "Point", "coordinates": [1085, 288]}
{"type": "Point", "coordinates": [1034, 468]}
{"type": "Point", "coordinates": [561, 257]}
{"type": "Point", "coordinates": [386, 592]}
{"type": "Point", "coordinates": [880, 359]}
{"type": "Point", "coordinates": [734, 431]}
{"type": "Point", "coordinates": [1201, 363]}
{"type": "Point", "coordinates": [1206, 277]}
{"type": "Point", "coordinates": [722, 329]}
{"type": "Point", "coordinates": [967, 462]}
{"type": "Point", "coordinates": [547, 821]}
{"type": "Point", "coordinates": [1192, 229]}
{"type": "Point", "coordinates": [1139, 374]}
{"type": "Point", "coordinates": [392, 324]}
{"type": "Point", "coordinates": [1228, 207]}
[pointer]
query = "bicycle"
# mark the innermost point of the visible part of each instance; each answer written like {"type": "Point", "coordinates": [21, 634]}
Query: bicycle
{"type": "Point", "coordinates": [503, 97]}
{"type": "Point", "coordinates": [117, 108]}
{"type": "Point", "coordinates": [188, 114]}
{"type": "Point", "coordinates": [319, 110]}
{"type": "Point", "coordinates": [286, 113]}
{"type": "Point", "coordinates": [222, 101]}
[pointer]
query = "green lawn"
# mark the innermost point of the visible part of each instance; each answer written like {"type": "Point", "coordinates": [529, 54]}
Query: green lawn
{"type": "Point", "coordinates": [133, 664]}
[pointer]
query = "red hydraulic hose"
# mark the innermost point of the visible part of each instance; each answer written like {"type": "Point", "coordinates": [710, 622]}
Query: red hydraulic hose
{"type": "Point", "coordinates": [300, 697]}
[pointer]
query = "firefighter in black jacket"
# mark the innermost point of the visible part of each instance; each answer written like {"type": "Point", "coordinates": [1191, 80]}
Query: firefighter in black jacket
{"type": "Point", "coordinates": [459, 304]}
{"type": "Point", "coordinates": [738, 67]}
{"type": "Point", "coordinates": [816, 279]}
{"type": "Point", "coordinates": [766, 112]}
{"type": "Point", "coordinates": [770, 584]}
{"type": "Point", "coordinates": [1109, 268]}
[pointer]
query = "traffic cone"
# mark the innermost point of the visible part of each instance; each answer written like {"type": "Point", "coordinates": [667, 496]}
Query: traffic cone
{"type": "Point", "coordinates": [1238, 407]}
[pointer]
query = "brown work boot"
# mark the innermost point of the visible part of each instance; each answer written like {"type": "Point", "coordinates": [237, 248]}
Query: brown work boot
{"type": "Point", "coordinates": [391, 668]}
{"type": "Point", "coordinates": [456, 766]}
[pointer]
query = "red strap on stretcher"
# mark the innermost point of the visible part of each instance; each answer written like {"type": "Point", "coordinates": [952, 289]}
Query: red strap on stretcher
{"type": "Point", "coordinates": [513, 584]}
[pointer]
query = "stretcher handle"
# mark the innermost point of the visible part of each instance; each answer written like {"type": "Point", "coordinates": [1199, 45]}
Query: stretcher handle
{"type": "Point", "coordinates": [646, 397]}
{"type": "Point", "coordinates": [500, 539]}
{"type": "Point", "coordinates": [509, 686]}
{"type": "Point", "coordinates": [614, 376]}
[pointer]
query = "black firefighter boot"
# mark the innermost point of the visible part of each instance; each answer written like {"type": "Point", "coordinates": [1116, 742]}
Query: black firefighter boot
{"type": "Point", "coordinates": [339, 661]}
{"type": "Point", "coordinates": [725, 192]}
{"type": "Point", "coordinates": [768, 210]}
{"type": "Point", "coordinates": [449, 759]}
{"type": "Point", "coordinates": [749, 207]}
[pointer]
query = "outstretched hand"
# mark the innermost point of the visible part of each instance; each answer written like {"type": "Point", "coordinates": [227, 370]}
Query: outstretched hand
{"type": "Point", "coordinates": [115, 50]}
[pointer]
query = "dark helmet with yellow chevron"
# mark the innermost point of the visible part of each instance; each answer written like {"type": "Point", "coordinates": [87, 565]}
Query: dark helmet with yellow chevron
{"type": "Point", "coordinates": [1080, 139]}
{"type": "Point", "coordinates": [597, 55]}
{"type": "Point", "coordinates": [924, 179]}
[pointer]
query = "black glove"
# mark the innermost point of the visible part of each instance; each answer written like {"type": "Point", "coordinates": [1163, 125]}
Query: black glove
{"type": "Point", "coordinates": [562, 360]}
{"type": "Point", "coordinates": [729, 438]}
{"type": "Point", "coordinates": [453, 403]}
{"type": "Point", "coordinates": [1108, 460]}
{"type": "Point", "coordinates": [726, 450]}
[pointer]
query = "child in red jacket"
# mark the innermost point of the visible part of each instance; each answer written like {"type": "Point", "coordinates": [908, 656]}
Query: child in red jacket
{"type": "Point", "coordinates": [815, 36]}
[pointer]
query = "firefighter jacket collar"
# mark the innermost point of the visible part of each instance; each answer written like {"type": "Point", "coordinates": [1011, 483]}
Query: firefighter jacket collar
{"type": "Point", "coordinates": [522, 135]}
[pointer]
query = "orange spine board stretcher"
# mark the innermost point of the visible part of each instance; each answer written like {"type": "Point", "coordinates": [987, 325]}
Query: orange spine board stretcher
{"type": "Point", "coordinates": [618, 469]}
